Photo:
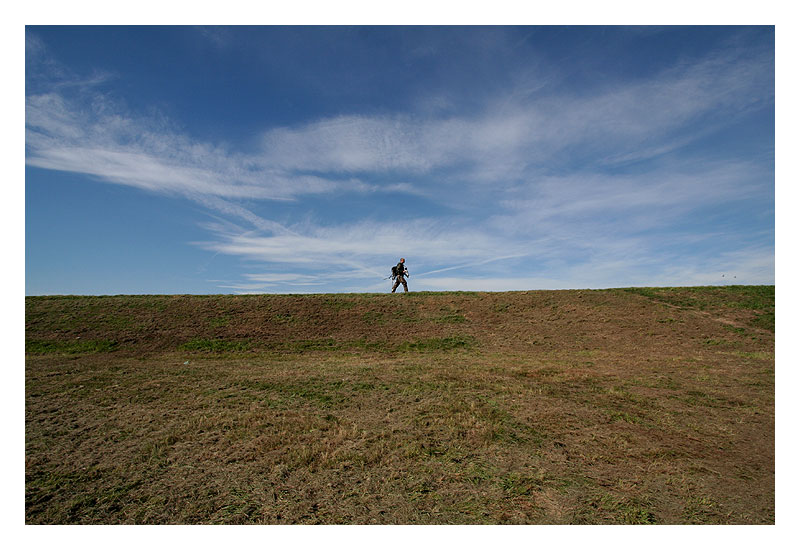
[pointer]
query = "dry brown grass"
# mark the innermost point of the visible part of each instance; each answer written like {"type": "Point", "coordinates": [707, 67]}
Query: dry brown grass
{"type": "Point", "coordinates": [455, 408]}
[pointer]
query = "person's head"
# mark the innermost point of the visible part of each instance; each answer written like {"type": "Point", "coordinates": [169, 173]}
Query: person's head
{"type": "Point", "coordinates": [402, 260]}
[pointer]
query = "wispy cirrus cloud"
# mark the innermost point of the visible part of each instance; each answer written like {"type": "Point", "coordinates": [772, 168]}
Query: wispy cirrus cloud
{"type": "Point", "coordinates": [747, 266]}
{"type": "Point", "coordinates": [637, 202]}
{"type": "Point", "coordinates": [362, 244]}
{"type": "Point", "coordinates": [119, 149]}
{"type": "Point", "coordinates": [515, 135]}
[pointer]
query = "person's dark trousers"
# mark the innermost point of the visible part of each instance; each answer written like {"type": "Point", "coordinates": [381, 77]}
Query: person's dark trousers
{"type": "Point", "coordinates": [399, 280]}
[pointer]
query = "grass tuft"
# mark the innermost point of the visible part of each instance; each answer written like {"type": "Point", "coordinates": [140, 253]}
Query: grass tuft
{"type": "Point", "coordinates": [438, 344]}
{"type": "Point", "coordinates": [69, 347]}
{"type": "Point", "coordinates": [216, 345]}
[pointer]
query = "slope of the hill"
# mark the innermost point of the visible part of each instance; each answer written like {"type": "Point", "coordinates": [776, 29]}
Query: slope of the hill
{"type": "Point", "coordinates": [566, 320]}
{"type": "Point", "coordinates": [647, 405]}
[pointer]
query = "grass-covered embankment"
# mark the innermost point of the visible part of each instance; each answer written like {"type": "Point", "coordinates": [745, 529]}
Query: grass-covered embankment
{"type": "Point", "coordinates": [615, 406]}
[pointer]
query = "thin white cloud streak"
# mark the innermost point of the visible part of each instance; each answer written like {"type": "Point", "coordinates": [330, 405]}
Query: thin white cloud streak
{"type": "Point", "coordinates": [490, 284]}
{"type": "Point", "coordinates": [161, 163]}
{"type": "Point", "coordinates": [270, 281]}
{"type": "Point", "coordinates": [643, 201]}
{"type": "Point", "coordinates": [272, 277]}
{"type": "Point", "coordinates": [99, 140]}
{"type": "Point", "coordinates": [622, 123]}
{"type": "Point", "coordinates": [473, 264]}
{"type": "Point", "coordinates": [231, 209]}
{"type": "Point", "coordinates": [239, 287]}
{"type": "Point", "coordinates": [754, 266]}
{"type": "Point", "coordinates": [365, 240]}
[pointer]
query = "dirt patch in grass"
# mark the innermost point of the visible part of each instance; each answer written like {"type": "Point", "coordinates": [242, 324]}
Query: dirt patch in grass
{"type": "Point", "coordinates": [588, 407]}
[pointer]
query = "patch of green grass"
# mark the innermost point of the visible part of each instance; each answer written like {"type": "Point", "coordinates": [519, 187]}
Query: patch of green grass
{"type": "Point", "coordinates": [374, 318]}
{"type": "Point", "coordinates": [765, 321]}
{"type": "Point", "coordinates": [102, 502]}
{"type": "Point", "coordinates": [438, 344]}
{"type": "Point", "coordinates": [46, 481]}
{"type": "Point", "coordinates": [635, 515]}
{"type": "Point", "coordinates": [241, 507]}
{"type": "Point", "coordinates": [757, 298]}
{"type": "Point", "coordinates": [325, 344]}
{"type": "Point", "coordinates": [623, 510]}
{"type": "Point", "coordinates": [328, 344]}
{"type": "Point", "coordinates": [503, 428]}
{"type": "Point", "coordinates": [737, 330]}
{"type": "Point", "coordinates": [36, 347]}
{"type": "Point", "coordinates": [338, 304]}
{"type": "Point", "coordinates": [283, 318]}
{"type": "Point", "coordinates": [696, 397]}
{"type": "Point", "coordinates": [700, 509]}
{"type": "Point", "coordinates": [516, 484]}
{"type": "Point", "coordinates": [77, 505]}
{"type": "Point", "coordinates": [665, 295]}
{"type": "Point", "coordinates": [114, 322]}
{"type": "Point", "coordinates": [147, 302]}
{"type": "Point", "coordinates": [216, 345]}
{"type": "Point", "coordinates": [363, 344]}
{"type": "Point", "coordinates": [479, 472]}
{"type": "Point", "coordinates": [714, 342]}
{"type": "Point", "coordinates": [219, 322]}
{"type": "Point", "coordinates": [324, 393]}
{"type": "Point", "coordinates": [425, 293]}
{"type": "Point", "coordinates": [752, 297]}
{"type": "Point", "coordinates": [155, 452]}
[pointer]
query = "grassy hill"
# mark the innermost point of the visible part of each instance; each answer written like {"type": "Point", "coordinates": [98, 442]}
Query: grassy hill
{"type": "Point", "coordinates": [645, 405]}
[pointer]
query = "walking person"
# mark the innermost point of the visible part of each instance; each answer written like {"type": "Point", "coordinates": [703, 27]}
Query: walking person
{"type": "Point", "coordinates": [400, 273]}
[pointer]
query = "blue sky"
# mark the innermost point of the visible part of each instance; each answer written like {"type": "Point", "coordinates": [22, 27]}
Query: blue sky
{"type": "Point", "coordinates": [310, 159]}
